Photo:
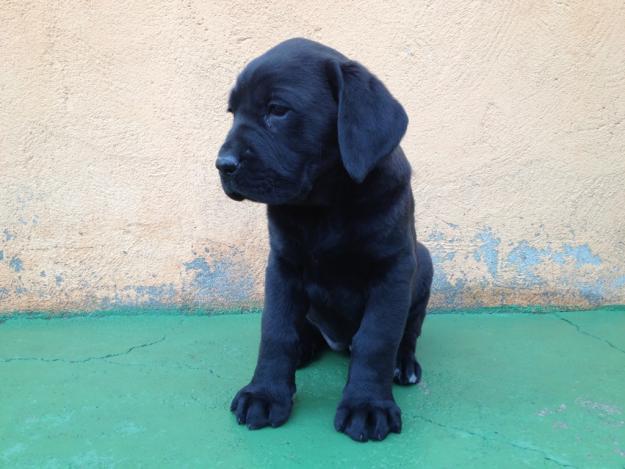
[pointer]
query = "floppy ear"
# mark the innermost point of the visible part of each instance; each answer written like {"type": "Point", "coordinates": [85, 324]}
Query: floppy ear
{"type": "Point", "coordinates": [371, 122]}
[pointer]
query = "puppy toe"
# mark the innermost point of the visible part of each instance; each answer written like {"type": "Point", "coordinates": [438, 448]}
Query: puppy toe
{"type": "Point", "coordinates": [380, 425]}
{"type": "Point", "coordinates": [257, 415]}
{"type": "Point", "coordinates": [234, 403]}
{"type": "Point", "coordinates": [239, 407]}
{"type": "Point", "coordinates": [278, 414]}
{"type": "Point", "coordinates": [394, 419]}
{"type": "Point", "coordinates": [357, 429]}
{"type": "Point", "coordinates": [341, 419]}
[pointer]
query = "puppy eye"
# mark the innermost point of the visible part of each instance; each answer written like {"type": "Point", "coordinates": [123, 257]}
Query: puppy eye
{"type": "Point", "coordinates": [277, 110]}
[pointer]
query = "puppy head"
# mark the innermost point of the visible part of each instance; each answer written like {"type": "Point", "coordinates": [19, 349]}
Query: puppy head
{"type": "Point", "coordinates": [299, 111]}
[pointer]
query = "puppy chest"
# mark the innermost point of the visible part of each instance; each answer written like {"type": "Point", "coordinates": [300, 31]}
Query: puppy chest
{"type": "Point", "coordinates": [335, 283]}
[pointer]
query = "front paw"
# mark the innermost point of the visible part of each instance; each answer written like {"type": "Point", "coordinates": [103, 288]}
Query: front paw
{"type": "Point", "coordinates": [258, 406]}
{"type": "Point", "coordinates": [367, 419]}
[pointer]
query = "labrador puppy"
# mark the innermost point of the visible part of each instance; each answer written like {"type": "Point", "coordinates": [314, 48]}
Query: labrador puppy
{"type": "Point", "coordinates": [315, 137]}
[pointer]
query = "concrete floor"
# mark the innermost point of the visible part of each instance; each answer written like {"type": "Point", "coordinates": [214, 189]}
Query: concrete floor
{"type": "Point", "coordinates": [498, 390]}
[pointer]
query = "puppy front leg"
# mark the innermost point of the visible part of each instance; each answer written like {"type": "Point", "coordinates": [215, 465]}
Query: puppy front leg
{"type": "Point", "coordinates": [367, 409]}
{"type": "Point", "coordinates": [268, 399]}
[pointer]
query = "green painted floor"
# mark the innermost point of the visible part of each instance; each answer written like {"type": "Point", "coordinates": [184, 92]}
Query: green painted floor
{"type": "Point", "coordinates": [498, 390]}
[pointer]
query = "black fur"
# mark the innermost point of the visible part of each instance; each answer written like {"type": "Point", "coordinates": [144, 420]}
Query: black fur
{"type": "Point", "coordinates": [315, 136]}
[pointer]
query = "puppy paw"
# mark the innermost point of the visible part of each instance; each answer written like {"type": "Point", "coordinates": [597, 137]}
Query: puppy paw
{"type": "Point", "coordinates": [407, 370]}
{"type": "Point", "coordinates": [260, 406]}
{"type": "Point", "coordinates": [368, 420]}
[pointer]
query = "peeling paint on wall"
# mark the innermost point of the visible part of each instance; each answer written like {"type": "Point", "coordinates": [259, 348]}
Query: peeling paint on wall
{"type": "Point", "coordinates": [141, 295]}
{"type": "Point", "coordinates": [488, 251]}
{"type": "Point", "coordinates": [519, 272]}
{"type": "Point", "coordinates": [16, 264]}
{"type": "Point", "coordinates": [526, 257]}
{"type": "Point", "coordinates": [221, 279]}
{"type": "Point", "coordinates": [476, 269]}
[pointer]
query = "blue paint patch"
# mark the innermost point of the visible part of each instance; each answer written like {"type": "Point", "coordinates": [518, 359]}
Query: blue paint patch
{"type": "Point", "coordinates": [142, 295]}
{"type": "Point", "coordinates": [42, 273]}
{"type": "Point", "coordinates": [525, 258]}
{"type": "Point", "coordinates": [16, 264]}
{"type": "Point", "coordinates": [58, 279]}
{"type": "Point", "coordinates": [439, 256]}
{"type": "Point", "coordinates": [107, 302]}
{"type": "Point", "coordinates": [619, 282]}
{"type": "Point", "coordinates": [199, 263]}
{"type": "Point", "coordinates": [154, 295]}
{"type": "Point", "coordinates": [451, 292]}
{"type": "Point", "coordinates": [524, 255]}
{"type": "Point", "coordinates": [4, 292]}
{"type": "Point", "coordinates": [8, 236]}
{"type": "Point", "coordinates": [1, 255]}
{"type": "Point", "coordinates": [436, 236]}
{"type": "Point", "coordinates": [488, 250]}
{"type": "Point", "coordinates": [20, 290]}
{"type": "Point", "coordinates": [223, 279]}
{"type": "Point", "coordinates": [593, 293]}
{"type": "Point", "coordinates": [582, 255]}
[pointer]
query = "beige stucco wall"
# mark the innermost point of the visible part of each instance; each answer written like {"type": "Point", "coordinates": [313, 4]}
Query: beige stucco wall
{"type": "Point", "coordinates": [111, 115]}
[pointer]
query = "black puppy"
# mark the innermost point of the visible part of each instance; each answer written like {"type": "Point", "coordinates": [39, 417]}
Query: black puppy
{"type": "Point", "coordinates": [316, 137]}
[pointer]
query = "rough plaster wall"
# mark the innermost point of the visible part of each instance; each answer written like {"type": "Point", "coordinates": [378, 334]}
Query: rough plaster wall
{"type": "Point", "coordinates": [111, 117]}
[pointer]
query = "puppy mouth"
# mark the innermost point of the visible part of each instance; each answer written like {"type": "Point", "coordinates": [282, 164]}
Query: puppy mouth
{"type": "Point", "coordinates": [261, 190]}
{"type": "Point", "coordinates": [232, 193]}
{"type": "Point", "coordinates": [227, 184]}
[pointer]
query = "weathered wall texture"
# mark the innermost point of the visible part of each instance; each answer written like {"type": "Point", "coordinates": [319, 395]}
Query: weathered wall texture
{"type": "Point", "coordinates": [111, 116]}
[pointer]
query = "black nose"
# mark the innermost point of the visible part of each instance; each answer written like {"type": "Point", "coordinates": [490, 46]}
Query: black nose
{"type": "Point", "coordinates": [227, 164]}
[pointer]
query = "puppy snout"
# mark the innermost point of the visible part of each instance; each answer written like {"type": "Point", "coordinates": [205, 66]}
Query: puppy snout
{"type": "Point", "coordinates": [227, 164]}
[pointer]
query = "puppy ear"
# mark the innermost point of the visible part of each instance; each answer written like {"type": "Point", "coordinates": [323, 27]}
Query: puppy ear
{"type": "Point", "coordinates": [371, 122]}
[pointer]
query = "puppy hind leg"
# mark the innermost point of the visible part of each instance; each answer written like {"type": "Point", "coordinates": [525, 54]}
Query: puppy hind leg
{"type": "Point", "coordinates": [407, 369]}
{"type": "Point", "coordinates": [311, 344]}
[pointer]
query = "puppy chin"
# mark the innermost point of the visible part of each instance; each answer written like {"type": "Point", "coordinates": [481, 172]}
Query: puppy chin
{"type": "Point", "coordinates": [235, 196]}
{"type": "Point", "coordinates": [230, 191]}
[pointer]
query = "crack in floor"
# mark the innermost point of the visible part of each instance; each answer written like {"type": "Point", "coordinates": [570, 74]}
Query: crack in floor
{"type": "Point", "coordinates": [582, 331]}
{"type": "Point", "coordinates": [84, 360]}
{"type": "Point", "coordinates": [539, 451]}
{"type": "Point", "coordinates": [159, 365]}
